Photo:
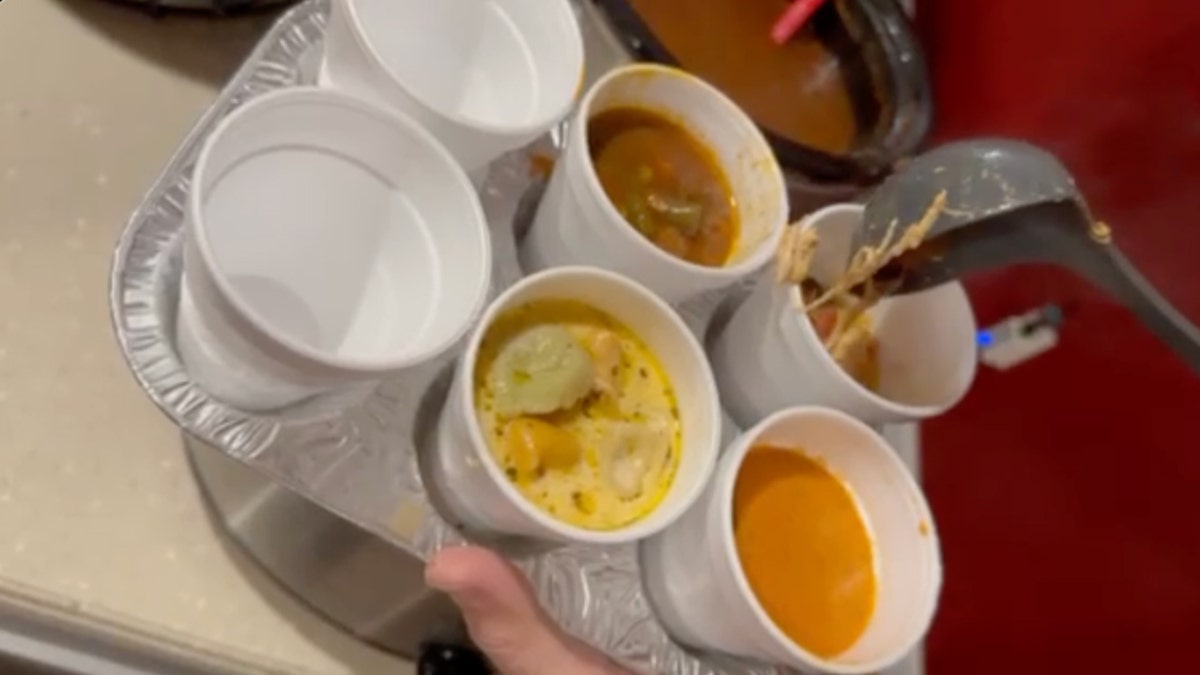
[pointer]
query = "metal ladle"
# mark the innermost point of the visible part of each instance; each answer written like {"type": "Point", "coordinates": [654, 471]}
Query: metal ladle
{"type": "Point", "coordinates": [1009, 202]}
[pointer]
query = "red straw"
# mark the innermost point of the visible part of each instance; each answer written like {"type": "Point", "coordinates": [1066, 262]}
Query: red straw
{"type": "Point", "coordinates": [793, 19]}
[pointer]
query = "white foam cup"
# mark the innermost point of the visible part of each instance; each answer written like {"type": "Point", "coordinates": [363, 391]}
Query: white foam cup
{"type": "Point", "coordinates": [329, 242]}
{"type": "Point", "coordinates": [576, 223]}
{"type": "Point", "coordinates": [484, 76]}
{"type": "Point", "coordinates": [473, 485]}
{"type": "Point", "coordinates": [696, 584]}
{"type": "Point", "coordinates": [768, 356]}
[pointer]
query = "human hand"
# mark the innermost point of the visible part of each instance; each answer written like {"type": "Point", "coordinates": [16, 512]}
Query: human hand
{"type": "Point", "coordinates": [505, 620]}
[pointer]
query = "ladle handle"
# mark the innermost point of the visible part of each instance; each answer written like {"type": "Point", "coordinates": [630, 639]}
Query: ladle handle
{"type": "Point", "coordinates": [1108, 268]}
{"type": "Point", "coordinates": [1054, 234]}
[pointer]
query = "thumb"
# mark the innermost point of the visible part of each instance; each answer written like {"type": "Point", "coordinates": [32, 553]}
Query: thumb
{"type": "Point", "coordinates": [505, 620]}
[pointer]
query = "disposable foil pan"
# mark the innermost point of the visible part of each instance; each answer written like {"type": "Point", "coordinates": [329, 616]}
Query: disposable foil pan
{"type": "Point", "coordinates": [361, 462]}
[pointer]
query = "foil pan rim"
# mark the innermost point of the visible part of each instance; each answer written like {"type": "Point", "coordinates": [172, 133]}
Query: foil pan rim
{"type": "Point", "coordinates": [362, 464]}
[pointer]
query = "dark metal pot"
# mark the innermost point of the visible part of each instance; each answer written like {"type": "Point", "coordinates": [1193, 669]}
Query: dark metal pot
{"type": "Point", "coordinates": [872, 36]}
{"type": "Point", "coordinates": [222, 6]}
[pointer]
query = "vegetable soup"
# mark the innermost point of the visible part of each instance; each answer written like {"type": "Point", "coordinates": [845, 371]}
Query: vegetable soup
{"type": "Point", "coordinates": [578, 413]}
{"type": "Point", "coordinates": [665, 183]}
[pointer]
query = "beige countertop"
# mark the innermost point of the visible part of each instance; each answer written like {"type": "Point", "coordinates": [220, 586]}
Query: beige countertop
{"type": "Point", "coordinates": [101, 525]}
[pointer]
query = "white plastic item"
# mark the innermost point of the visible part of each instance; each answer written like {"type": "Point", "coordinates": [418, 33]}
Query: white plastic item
{"type": "Point", "coordinates": [473, 486]}
{"type": "Point", "coordinates": [329, 242]}
{"type": "Point", "coordinates": [576, 223]}
{"type": "Point", "coordinates": [768, 357]}
{"type": "Point", "coordinates": [695, 580]}
{"type": "Point", "coordinates": [1017, 339]}
{"type": "Point", "coordinates": [484, 76]}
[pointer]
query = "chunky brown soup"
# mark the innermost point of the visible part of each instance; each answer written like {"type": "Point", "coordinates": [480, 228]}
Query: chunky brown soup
{"type": "Point", "coordinates": [665, 183]}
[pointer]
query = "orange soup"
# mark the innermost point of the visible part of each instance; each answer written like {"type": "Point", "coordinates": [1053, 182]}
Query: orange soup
{"type": "Point", "coordinates": [804, 548]}
{"type": "Point", "coordinates": [665, 183]}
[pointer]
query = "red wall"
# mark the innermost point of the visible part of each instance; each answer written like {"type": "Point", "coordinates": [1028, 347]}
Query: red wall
{"type": "Point", "coordinates": [1067, 490]}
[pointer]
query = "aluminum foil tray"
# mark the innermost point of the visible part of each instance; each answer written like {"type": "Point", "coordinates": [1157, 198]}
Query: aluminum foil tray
{"type": "Point", "coordinates": [361, 462]}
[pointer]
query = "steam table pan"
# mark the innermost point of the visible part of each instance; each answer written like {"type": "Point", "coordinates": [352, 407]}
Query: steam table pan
{"type": "Point", "coordinates": [333, 505]}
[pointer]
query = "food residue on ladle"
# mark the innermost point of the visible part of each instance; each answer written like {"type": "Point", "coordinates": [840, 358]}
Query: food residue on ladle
{"type": "Point", "coordinates": [838, 311]}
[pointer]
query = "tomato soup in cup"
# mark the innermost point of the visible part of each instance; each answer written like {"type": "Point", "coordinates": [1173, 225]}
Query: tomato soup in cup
{"type": "Point", "coordinates": [813, 548]}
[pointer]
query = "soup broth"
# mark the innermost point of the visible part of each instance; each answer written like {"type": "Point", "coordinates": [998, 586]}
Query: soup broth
{"type": "Point", "coordinates": [805, 549]}
{"type": "Point", "coordinates": [578, 413]}
{"type": "Point", "coordinates": [665, 184]}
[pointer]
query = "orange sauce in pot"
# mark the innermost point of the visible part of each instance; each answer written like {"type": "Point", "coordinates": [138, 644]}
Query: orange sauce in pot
{"type": "Point", "coordinates": [799, 90]}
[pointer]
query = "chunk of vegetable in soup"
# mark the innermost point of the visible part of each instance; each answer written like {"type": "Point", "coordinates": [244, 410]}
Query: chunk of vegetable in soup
{"type": "Point", "coordinates": [805, 549]}
{"type": "Point", "coordinates": [599, 461]}
{"type": "Point", "coordinates": [856, 350]}
{"type": "Point", "coordinates": [665, 183]}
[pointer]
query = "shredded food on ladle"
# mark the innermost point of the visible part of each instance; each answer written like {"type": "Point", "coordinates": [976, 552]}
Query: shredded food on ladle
{"type": "Point", "coordinates": [850, 340]}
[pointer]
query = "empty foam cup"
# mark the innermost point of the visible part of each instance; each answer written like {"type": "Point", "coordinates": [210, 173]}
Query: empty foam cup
{"type": "Point", "coordinates": [484, 76]}
{"type": "Point", "coordinates": [329, 242]}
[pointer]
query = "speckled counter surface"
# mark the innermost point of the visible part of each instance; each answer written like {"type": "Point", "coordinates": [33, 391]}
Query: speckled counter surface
{"type": "Point", "coordinates": [101, 526]}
